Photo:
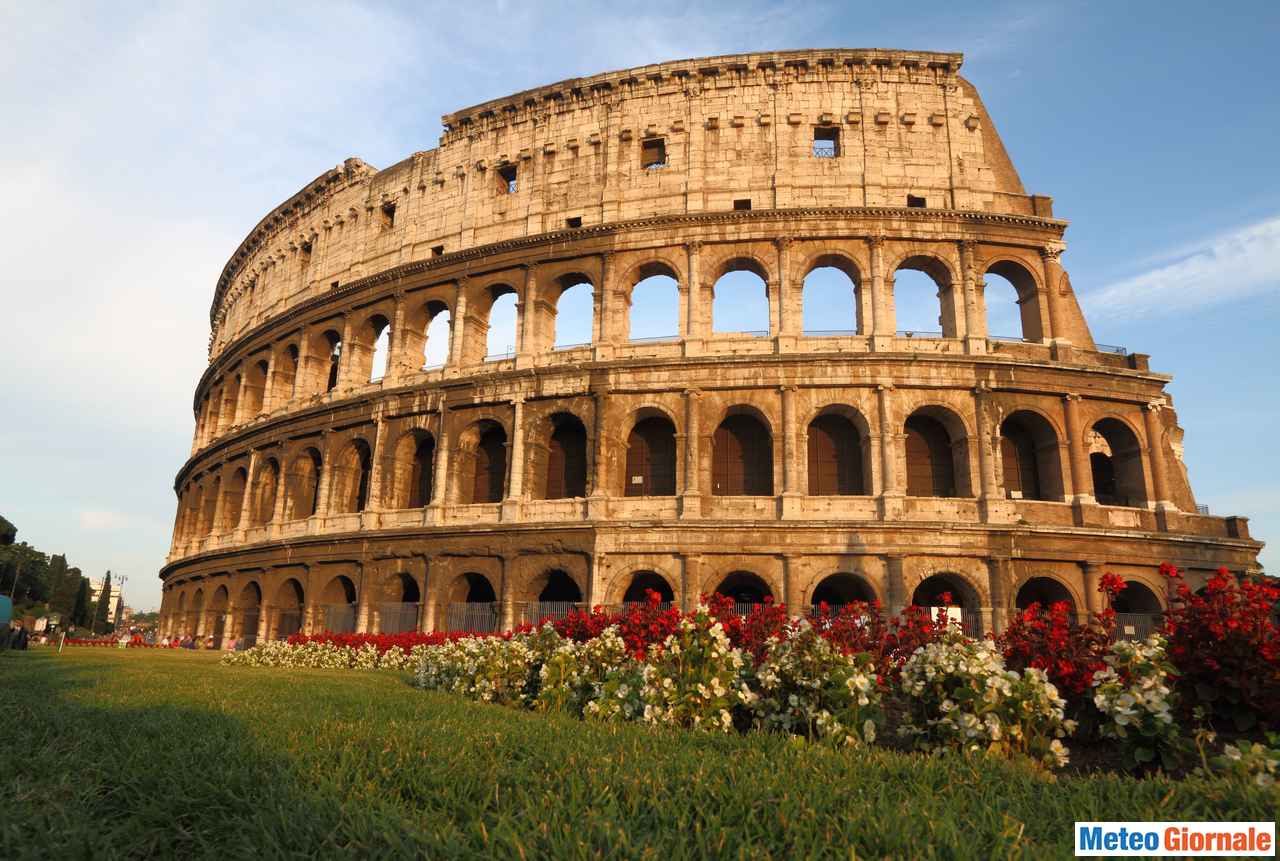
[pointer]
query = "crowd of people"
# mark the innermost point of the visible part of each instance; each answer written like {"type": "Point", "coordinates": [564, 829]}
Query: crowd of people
{"type": "Point", "coordinates": [14, 636]}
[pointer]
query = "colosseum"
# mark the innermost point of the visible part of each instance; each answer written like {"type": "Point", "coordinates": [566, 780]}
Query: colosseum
{"type": "Point", "coordinates": [367, 458]}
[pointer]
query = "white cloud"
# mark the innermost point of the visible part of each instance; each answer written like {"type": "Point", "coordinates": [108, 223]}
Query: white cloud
{"type": "Point", "coordinates": [1225, 268]}
{"type": "Point", "coordinates": [104, 520]}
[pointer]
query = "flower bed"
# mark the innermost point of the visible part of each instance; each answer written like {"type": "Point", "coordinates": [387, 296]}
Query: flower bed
{"type": "Point", "coordinates": [845, 677]}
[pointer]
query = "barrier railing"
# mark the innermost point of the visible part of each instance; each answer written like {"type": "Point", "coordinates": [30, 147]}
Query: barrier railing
{"type": "Point", "coordinates": [472, 616]}
{"type": "Point", "coordinates": [1112, 348]}
{"type": "Point", "coordinates": [340, 618]}
{"type": "Point", "coordinates": [397, 617]}
{"type": "Point", "coordinates": [1137, 626]}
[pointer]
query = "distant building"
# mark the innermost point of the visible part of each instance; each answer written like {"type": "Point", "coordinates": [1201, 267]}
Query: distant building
{"type": "Point", "coordinates": [95, 587]}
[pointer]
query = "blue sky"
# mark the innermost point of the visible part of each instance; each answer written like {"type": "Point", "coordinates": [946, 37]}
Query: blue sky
{"type": "Point", "coordinates": [142, 142]}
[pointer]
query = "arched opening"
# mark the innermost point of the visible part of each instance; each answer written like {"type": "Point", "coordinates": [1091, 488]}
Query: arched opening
{"type": "Point", "coordinates": [420, 476]}
{"type": "Point", "coordinates": [742, 457]}
{"type": "Point", "coordinates": [1044, 591]}
{"type": "Point", "coordinates": [218, 616]}
{"type": "Point", "coordinates": [1030, 465]}
{"type": "Point", "coordinates": [937, 462]}
{"type": "Point", "coordinates": [439, 332]}
{"type": "Point", "coordinates": [651, 458]}
{"type": "Point", "coordinates": [234, 502]}
{"type": "Point", "coordinates": [378, 332]}
{"type": "Point", "coordinates": [302, 483]}
{"type": "Point", "coordinates": [559, 594]}
{"type": "Point", "coordinates": [255, 387]}
{"type": "Point", "coordinates": [1013, 302]}
{"type": "Point", "coordinates": [265, 488]}
{"type": "Point", "coordinates": [956, 595]}
{"type": "Point", "coordinates": [289, 604]}
{"type": "Point", "coordinates": [473, 604]}
{"type": "Point", "coordinates": [644, 582]}
{"type": "Point", "coordinates": [923, 301]}
{"type": "Point", "coordinates": [351, 479]}
{"type": "Point", "coordinates": [566, 471]}
{"type": "Point", "coordinates": [835, 457]}
{"type": "Point", "coordinates": [207, 523]}
{"type": "Point", "coordinates": [1115, 458]}
{"type": "Point", "coordinates": [654, 312]}
{"type": "Point", "coordinates": [740, 299]}
{"type": "Point", "coordinates": [1138, 612]}
{"type": "Point", "coordinates": [745, 589]}
{"type": "Point", "coordinates": [196, 620]}
{"type": "Point", "coordinates": [338, 605]}
{"type": "Point", "coordinates": [500, 340]}
{"type": "Point", "coordinates": [574, 314]}
{"type": "Point", "coordinates": [286, 374]}
{"type": "Point", "coordinates": [400, 615]}
{"type": "Point", "coordinates": [830, 297]}
{"type": "Point", "coordinates": [840, 589]}
{"type": "Point", "coordinates": [483, 466]}
{"type": "Point", "coordinates": [250, 604]}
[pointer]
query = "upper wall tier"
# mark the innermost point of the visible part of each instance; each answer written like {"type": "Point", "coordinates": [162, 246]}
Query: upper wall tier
{"type": "Point", "coordinates": [895, 128]}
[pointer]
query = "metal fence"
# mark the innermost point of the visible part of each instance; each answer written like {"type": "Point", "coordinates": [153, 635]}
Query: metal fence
{"type": "Point", "coordinates": [340, 618]}
{"type": "Point", "coordinates": [912, 333]}
{"type": "Point", "coordinates": [536, 612]}
{"type": "Point", "coordinates": [288, 622]}
{"type": "Point", "coordinates": [655, 339]}
{"type": "Point", "coordinates": [249, 621]}
{"type": "Point", "coordinates": [829, 333]}
{"type": "Point", "coordinates": [1112, 348]}
{"type": "Point", "coordinates": [1137, 626]}
{"type": "Point", "coordinates": [396, 618]}
{"type": "Point", "coordinates": [473, 616]}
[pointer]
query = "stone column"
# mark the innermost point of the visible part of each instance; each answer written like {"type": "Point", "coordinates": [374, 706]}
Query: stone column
{"type": "Point", "coordinates": [791, 496]}
{"type": "Point", "coordinates": [347, 357]}
{"type": "Point", "coordinates": [326, 478]}
{"type": "Point", "coordinates": [515, 462]}
{"type": "Point", "coordinates": [1052, 268]}
{"type": "Point", "coordinates": [508, 594]}
{"type": "Point", "coordinates": [531, 316]}
{"type": "Point", "coordinates": [303, 378]}
{"type": "Point", "coordinates": [896, 583]}
{"type": "Point", "coordinates": [890, 490]}
{"type": "Point", "coordinates": [999, 583]}
{"type": "Point", "coordinates": [264, 622]}
{"type": "Point", "coordinates": [991, 501]}
{"type": "Point", "coordinates": [440, 470]}
{"type": "Point", "coordinates": [599, 492]}
{"type": "Point", "coordinates": [397, 366]}
{"type": "Point", "coordinates": [1094, 600]}
{"type": "Point", "coordinates": [790, 312]}
{"type": "Point", "coordinates": [691, 500]}
{"type": "Point", "coordinates": [269, 384]}
{"type": "Point", "coordinates": [282, 486]}
{"type": "Point", "coordinates": [246, 504]}
{"type": "Point", "coordinates": [696, 315]}
{"type": "Point", "coordinates": [690, 580]}
{"type": "Point", "coordinates": [1081, 474]}
{"type": "Point", "coordinates": [1155, 453]}
{"type": "Point", "coordinates": [883, 323]}
{"type": "Point", "coordinates": [458, 325]}
{"type": "Point", "coordinates": [363, 611]}
{"type": "Point", "coordinates": [376, 458]}
{"type": "Point", "coordinates": [219, 507]}
{"type": "Point", "coordinates": [599, 299]}
{"type": "Point", "coordinates": [790, 594]}
{"type": "Point", "coordinates": [975, 328]}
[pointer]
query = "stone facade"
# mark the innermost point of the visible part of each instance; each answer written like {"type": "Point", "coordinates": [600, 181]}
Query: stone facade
{"type": "Point", "coordinates": [495, 488]}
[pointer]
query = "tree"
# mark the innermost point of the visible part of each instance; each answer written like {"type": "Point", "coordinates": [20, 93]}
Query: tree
{"type": "Point", "coordinates": [24, 573]}
{"type": "Point", "coordinates": [80, 608]}
{"type": "Point", "coordinates": [62, 598]}
{"type": "Point", "coordinates": [104, 604]}
{"type": "Point", "coordinates": [7, 532]}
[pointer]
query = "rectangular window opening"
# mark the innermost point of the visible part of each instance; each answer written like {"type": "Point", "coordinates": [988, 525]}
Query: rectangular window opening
{"type": "Point", "coordinates": [507, 178]}
{"type": "Point", "coordinates": [915, 202]}
{"type": "Point", "coordinates": [743, 204]}
{"type": "Point", "coordinates": [333, 286]}
{"type": "Point", "coordinates": [653, 154]}
{"type": "Point", "coordinates": [388, 216]}
{"type": "Point", "coordinates": [573, 223]}
{"type": "Point", "coordinates": [826, 142]}
{"type": "Point", "coordinates": [437, 250]}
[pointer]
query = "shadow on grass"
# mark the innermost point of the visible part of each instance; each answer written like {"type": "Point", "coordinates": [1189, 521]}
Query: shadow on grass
{"type": "Point", "coordinates": [114, 779]}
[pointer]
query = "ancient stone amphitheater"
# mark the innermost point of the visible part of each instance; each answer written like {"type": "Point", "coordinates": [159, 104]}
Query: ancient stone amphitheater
{"type": "Point", "coordinates": [339, 480]}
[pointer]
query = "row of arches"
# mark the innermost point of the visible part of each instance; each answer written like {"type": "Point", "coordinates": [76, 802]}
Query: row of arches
{"type": "Point", "coordinates": [471, 602]}
{"type": "Point", "coordinates": [838, 460]}
{"type": "Point", "coordinates": [497, 320]}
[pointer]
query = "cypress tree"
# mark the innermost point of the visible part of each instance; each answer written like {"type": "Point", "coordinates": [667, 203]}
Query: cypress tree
{"type": "Point", "coordinates": [80, 609]}
{"type": "Point", "coordinates": [104, 602]}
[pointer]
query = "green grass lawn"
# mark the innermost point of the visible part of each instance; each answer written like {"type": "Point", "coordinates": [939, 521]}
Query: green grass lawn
{"type": "Point", "coordinates": [167, 754]}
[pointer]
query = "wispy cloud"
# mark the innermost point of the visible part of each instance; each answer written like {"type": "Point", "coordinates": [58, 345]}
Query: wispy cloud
{"type": "Point", "coordinates": [1224, 268]}
{"type": "Point", "coordinates": [104, 520]}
